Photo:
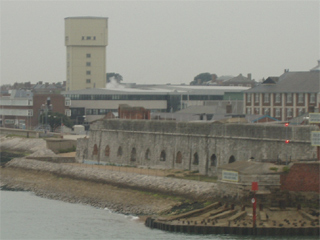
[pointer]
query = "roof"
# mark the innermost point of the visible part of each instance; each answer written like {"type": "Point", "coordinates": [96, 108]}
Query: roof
{"type": "Point", "coordinates": [86, 17]}
{"type": "Point", "coordinates": [291, 82]}
{"type": "Point", "coordinates": [239, 79]}
{"type": "Point", "coordinates": [203, 110]}
{"type": "Point", "coordinates": [152, 89]}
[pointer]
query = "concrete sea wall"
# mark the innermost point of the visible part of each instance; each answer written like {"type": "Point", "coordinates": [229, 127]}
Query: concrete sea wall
{"type": "Point", "coordinates": [198, 147]}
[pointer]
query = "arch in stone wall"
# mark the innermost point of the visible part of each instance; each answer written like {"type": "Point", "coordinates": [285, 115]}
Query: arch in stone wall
{"type": "Point", "coordinates": [163, 156]}
{"type": "Point", "coordinates": [195, 159]}
{"type": "Point", "coordinates": [213, 160]}
{"type": "Point", "coordinates": [85, 154]}
{"type": "Point", "coordinates": [95, 150]}
{"type": "Point", "coordinates": [232, 159]}
{"type": "Point", "coordinates": [179, 157]}
{"type": "Point", "coordinates": [107, 151]}
{"type": "Point", "coordinates": [133, 157]}
{"type": "Point", "coordinates": [119, 152]}
{"type": "Point", "coordinates": [147, 155]}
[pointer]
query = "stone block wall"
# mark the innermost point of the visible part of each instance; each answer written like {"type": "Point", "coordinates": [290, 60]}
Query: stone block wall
{"type": "Point", "coordinates": [157, 144]}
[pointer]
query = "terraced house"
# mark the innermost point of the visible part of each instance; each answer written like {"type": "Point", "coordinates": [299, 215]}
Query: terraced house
{"type": "Point", "coordinates": [288, 96]}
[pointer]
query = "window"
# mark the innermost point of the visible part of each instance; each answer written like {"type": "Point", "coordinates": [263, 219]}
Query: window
{"type": "Point", "coordinates": [267, 111]}
{"type": "Point", "coordinates": [82, 38]}
{"type": "Point", "coordinates": [133, 155]}
{"type": "Point", "coordinates": [266, 98]}
{"type": "Point", "coordinates": [300, 98]}
{"type": "Point", "coordinates": [195, 159]}
{"type": "Point", "coordinates": [256, 97]}
{"type": "Point", "coordinates": [248, 97]}
{"type": "Point", "coordinates": [30, 112]}
{"type": "Point", "coordinates": [312, 98]}
{"type": "Point", "coordinates": [88, 64]}
{"type": "Point", "coordinates": [278, 112]}
{"type": "Point", "coordinates": [88, 81]}
{"type": "Point", "coordinates": [248, 110]}
{"type": "Point", "coordinates": [67, 102]}
{"type": "Point", "coordinates": [94, 38]}
{"type": "Point", "coordinates": [88, 38]}
{"type": "Point", "coordinates": [88, 72]}
{"type": "Point", "coordinates": [68, 112]}
{"type": "Point", "coordinates": [232, 159]}
{"type": "Point", "coordinates": [289, 112]}
{"type": "Point", "coordinates": [257, 111]}
{"type": "Point", "coordinates": [163, 156]}
{"type": "Point", "coordinates": [179, 157]}
{"type": "Point", "coordinates": [88, 55]}
{"type": "Point", "coordinates": [107, 151]}
{"type": "Point", "coordinates": [301, 111]}
{"type": "Point", "coordinates": [278, 98]}
{"type": "Point", "coordinates": [213, 160]}
{"type": "Point", "coordinates": [289, 97]}
{"type": "Point", "coordinates": [119, 153]}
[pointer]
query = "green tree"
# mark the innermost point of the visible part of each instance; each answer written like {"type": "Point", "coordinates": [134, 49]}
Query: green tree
{"type": "Point", "coordinates": [201, 79]}
{"type": "Point", "coordinates": [116, 76]}
{"type": "Point", "coordinates": [55, 120]}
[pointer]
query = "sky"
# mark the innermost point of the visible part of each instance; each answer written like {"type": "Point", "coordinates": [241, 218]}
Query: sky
{"type": "Point", "coordinates": [159, 42]}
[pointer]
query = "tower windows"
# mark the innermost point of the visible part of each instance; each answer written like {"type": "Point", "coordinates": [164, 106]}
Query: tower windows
{"type": "Point", "coordinates": [88, 64]}
{"type": "Point", "coordinates": [88, 72]}
{"type": "Point", "coordinates": [88, 80]}
{"type": "Point", "coordinates": [88, 55]}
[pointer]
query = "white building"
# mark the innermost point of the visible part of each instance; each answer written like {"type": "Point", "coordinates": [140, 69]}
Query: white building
{"type": "Point", "coordinates": [86, 39]}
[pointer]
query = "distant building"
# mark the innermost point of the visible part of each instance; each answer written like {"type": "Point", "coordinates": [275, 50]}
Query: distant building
{"type": "Point", "coordinates": [286, 97]}
{"type": "Point", "coordinates": [22, 109]}
{"type": "Point", "coordinates": [240, 81]}
{"type": "Point", "coordinates": [95, 103]}
{"type": "Point", "coordinates": [127, 112]}
{"type": "Point", "coordinates": [86, 39]}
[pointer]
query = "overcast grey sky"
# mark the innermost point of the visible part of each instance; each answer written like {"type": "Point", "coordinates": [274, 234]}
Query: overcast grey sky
{"type": "Point", "coordinates": [164, 41]}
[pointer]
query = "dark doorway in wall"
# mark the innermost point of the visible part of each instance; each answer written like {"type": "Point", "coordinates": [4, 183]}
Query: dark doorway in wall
{"type": "Point", "coordinates": [179, 157]}
{"type": "Point", "coordinates": [163, 156]}
{"type": "Point", "coordinates": [107, 151]}
{"type": "Point", "coordinates": [195, 159]}
{"type": "Point", "coordinates": [213, 160]}
{"type": "Point", "coordinates": [147, 155]}
{"type": "Point", "coordinates": [119, 153]}
{"type": "Point", "coordinates": [232, 159]}
{"type": "Point", "coordinates": [133, 155]}
{"type": "Point", "coordinates": [95, 150]}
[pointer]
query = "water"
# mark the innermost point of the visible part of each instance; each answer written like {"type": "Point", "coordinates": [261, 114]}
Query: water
{"type": "Point", "coordinates": [26, 216]}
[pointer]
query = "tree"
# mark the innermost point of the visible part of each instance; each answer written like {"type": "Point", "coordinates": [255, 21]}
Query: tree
{"type": "Point", "coordinates": [55, 120]}
{"type": "Point", "coordinates": [201, 79]}
{"type": "Point", "coordinates": [115, 76]}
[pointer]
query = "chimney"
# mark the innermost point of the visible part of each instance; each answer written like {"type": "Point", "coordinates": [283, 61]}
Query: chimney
{"type": "Point", "coordinates": [249, 76]}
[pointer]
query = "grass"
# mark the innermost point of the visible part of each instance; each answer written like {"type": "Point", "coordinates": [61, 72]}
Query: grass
{"type": "Point", "coordinates": [274, 169]}
{"type": "Point", "coordinates": [286, 169]}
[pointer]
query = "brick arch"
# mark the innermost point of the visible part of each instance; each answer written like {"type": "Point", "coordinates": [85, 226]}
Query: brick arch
{"type": "Point", "coordinates": [232, 159]}
{"type": "Point", "coordinates": [163, 156]}
{"type": "Point", "coordinates": [133, 157]}
{"type": "Point", "coordinates": [195, 159]}
{"type": "Point", "coordinates": [107, 151]}
{"type": "Point", "coordinates": [95, 150]}
{"type": "Point", "coordinates": [179, 157]}
{"type": "Point", "coordinates": [213, 160]}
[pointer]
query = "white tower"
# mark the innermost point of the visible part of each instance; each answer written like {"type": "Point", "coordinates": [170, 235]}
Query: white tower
{"type": "Point", "coordinates": [86, 39]}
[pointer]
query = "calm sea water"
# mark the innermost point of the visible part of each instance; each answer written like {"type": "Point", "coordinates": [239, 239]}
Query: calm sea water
{"type": "Point", "coordinates": [26, 216]}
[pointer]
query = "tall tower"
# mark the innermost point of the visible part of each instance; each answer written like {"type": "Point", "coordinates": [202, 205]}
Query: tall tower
{"type": "Point", "coordinates": [86, 39]}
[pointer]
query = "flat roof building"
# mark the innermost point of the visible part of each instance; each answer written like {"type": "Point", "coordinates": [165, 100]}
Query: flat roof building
{"type": "Point", "coordinates": [86, 39]}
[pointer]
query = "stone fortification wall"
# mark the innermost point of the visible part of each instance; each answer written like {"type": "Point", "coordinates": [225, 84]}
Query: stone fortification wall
{"type": "Point", "coordinates": [192, 146]}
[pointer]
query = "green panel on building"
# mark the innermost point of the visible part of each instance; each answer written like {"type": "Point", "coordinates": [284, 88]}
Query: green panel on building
{"type": "Point", "coordinates": [233, 96]}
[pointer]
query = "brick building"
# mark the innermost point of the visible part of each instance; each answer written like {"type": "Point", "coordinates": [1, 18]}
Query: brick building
{"type": "Point", "coordinates": [22, 109]}
{"type": "Point", "coordinates": [128, 112]}
{"type": "Point", "coordinates": [288, 96]}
